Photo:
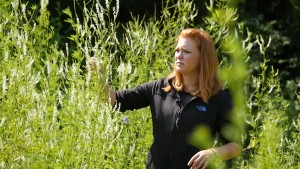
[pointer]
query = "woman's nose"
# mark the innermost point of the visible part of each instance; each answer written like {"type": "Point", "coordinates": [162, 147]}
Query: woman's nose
{"type": "Point", "coordinates": [179, 55]}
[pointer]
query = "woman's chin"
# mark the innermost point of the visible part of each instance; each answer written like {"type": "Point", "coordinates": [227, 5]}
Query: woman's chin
{"type": "Point", "coordinates": [179, 70]}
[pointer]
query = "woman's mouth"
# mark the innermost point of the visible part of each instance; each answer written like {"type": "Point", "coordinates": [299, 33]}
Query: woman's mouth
{"type": "Point", "coordinates": [179, 63]}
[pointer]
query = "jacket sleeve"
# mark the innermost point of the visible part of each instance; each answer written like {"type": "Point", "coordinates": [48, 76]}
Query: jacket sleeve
{"type": "Point", "coordinates": [227, 129]}
{"type": "Point", "coordinates": [135, 98]}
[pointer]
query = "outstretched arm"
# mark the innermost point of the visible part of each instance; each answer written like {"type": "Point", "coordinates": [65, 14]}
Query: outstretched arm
{"type": "Point", "coordinates": [109, 94]}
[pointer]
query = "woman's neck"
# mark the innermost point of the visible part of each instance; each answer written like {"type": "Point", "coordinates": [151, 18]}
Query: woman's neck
{"type": "Point", "coordinates": [190, 83]}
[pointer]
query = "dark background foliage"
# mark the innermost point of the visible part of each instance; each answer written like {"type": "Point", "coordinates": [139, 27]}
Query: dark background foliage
{"type": "Point", "coordinates": [278, 19]}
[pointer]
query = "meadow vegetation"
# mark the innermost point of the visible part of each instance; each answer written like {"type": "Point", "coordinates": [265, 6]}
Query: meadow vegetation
{"type": "Point", "coordinates": [52, 113]}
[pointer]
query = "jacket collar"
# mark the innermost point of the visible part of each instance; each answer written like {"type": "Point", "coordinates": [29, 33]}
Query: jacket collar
{"type": "Point", "coordinates": [173, 91]}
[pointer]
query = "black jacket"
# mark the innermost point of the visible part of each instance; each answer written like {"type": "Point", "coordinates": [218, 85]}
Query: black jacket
{"type": "Point", "coordinates": [175, 116]}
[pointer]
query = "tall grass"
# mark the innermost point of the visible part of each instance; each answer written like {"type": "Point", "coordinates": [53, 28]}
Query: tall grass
{"type": "Point", "coordinates": [51, 111]}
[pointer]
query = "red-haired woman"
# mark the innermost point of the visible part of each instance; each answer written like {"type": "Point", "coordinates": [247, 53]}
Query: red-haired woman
{"type": "Point", "coordinates": [190, 97]}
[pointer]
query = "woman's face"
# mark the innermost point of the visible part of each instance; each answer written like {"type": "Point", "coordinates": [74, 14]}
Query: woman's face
{"type": "Point", "coordinates": [187, 56]}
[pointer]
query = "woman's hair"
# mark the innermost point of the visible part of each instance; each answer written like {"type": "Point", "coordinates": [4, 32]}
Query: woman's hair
{"type": "Point", "coordinates": [209, 83]}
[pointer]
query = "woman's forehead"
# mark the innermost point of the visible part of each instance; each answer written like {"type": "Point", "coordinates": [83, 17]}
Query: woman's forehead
{"type": "Point", "coordinates": [186, 42]}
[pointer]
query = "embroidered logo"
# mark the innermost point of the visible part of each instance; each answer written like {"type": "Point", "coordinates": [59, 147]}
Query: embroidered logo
{"type": "Point", "coordinates": [201, 108]}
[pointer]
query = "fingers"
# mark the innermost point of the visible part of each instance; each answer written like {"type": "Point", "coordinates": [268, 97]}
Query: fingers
{"type": "Point", "coordinates": [92, 63]}
{"type": "Point", "coordinates": [95, 66]}
{"type": "Point", "coordinates": [193, 159]}
{"type": "Point", "coordinates": [201, 163]}
{"type": "Point", "coordinates": [201, 160]}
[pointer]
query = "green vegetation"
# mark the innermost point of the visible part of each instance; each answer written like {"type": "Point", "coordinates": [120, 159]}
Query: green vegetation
{"type": "Point", "coordinates": [51, 111]}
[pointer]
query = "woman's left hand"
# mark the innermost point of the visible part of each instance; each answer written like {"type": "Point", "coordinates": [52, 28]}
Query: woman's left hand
{"type": "Point", "coordinates": [202, 159]}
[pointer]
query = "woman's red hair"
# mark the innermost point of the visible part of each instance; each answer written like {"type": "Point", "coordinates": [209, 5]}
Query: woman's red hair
{"type": "Point", "coordinates": [209, 83]}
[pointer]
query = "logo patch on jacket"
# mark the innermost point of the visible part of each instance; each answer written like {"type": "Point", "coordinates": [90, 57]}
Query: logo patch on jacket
{"type": "Point", "coordinates": [201, 108]}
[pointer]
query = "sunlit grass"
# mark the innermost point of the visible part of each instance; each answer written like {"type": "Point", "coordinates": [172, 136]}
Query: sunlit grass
{"type": "Point", "coordinates": [51, 111]}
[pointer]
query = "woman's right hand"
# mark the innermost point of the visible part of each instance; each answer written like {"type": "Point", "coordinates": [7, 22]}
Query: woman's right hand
{"type": "Point", "coordinates": [93, 64]}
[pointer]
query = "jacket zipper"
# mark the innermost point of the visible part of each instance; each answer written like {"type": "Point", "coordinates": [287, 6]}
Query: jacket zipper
{"type": "Point", "coordinates": [178, 113]}
{"type": "Point", "coordinates": [174, 132]}
{"type": "Point", "coordinates": [176, 125]}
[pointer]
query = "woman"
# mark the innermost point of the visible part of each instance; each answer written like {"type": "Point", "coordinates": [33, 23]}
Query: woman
{"type": "Point", "coordinates": [191, 96]}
